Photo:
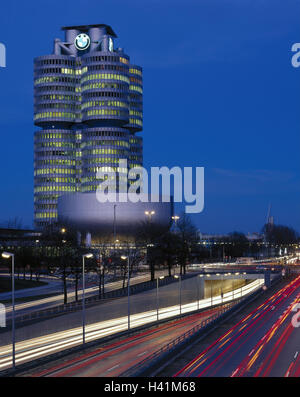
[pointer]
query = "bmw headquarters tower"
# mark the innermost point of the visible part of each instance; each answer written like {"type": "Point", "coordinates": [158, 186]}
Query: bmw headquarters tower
{"type": "Point", "coordinates": [88, 103]}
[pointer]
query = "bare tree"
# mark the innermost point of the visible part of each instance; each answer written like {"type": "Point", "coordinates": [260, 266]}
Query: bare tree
{"type": "Point", "coordinates": [187, 234]}
{"type": "Point", "coordinates": [64, 248]}
{"type": "Point", "coordinates": [149, 235]}
{"type": "Point", "coordinates": [13, 223]}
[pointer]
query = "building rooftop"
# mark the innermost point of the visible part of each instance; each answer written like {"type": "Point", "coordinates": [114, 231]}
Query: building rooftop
{"type": "Point", "coordinates": [87, 27]}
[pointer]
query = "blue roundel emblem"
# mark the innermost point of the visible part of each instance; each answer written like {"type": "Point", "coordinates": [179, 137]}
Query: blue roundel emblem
{"type": "Point", "coordinates": [82, 41]}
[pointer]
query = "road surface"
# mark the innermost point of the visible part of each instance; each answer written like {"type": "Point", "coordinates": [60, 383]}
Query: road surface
{"type": "Point", "coordinates": [265, 343]}
{"type": "Point", "coordinates": [115, 358]}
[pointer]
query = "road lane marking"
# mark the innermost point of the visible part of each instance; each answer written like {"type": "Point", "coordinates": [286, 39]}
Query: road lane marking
{"type": "Point", "coordinates": [251, 353]}
{"type": "Point", "coordinates": [110, 369]}
{"type": "Point", "coordinates": [234, 372]}
{"type": "Point", "coordinates": [141, 354]}
{"type": "Point", "coordinates": [224, 343]}
{"type": "Point", "coordinates": [296, 354]}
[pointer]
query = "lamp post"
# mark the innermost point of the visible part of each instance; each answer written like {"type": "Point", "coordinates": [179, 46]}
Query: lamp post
{"type": "Point", "coordinates": [175, 219]}
{"type": "Point", "coordinates": [115, 208]}
{"type": "Point", "coordinates": [157, 297]}
{"type": "Point", "coordinates": [8, 255]}
{"type": "Point", "coordinates": [149, 214]}
{"type": "Point", "coordinates": [211, 300]}
{"type": "Point", "coordinates": [198, 290]}
{"type": "Point", "coordinates": [176, 276]}
{"type": "Point", "coordinates": [83, 294]}
{"type": "Point", "coordinates": [222, 288]}
{"type": "Point", "coordinates": [237, 274]}
{"type": "Point", "coordinates": [128, 288]}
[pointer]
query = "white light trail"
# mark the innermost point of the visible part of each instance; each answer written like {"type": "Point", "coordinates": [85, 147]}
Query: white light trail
{"type": "Point", "coordinates": [31, 349]}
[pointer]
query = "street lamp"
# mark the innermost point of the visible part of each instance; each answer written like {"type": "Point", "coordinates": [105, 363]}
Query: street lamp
{"type": "Point", "coordinates": [198, 290]}
{"type": "Point", "coordinates": [83, 294]}
{"type": "Point", "coordinates": [176, 276]}
{"type": "Point", "coordinates": [128, 288]}
{"type": "Point", "coordinates": [157, 298]}
{"type": "Point", "coordinates": [63, 230]}
{"type": "Point", "coordinates": [211, 300]}
{"type": "Point", "coordinates": [149, 214]}
{"type": "Point", "coordinates": [175, 219]}
{"type": "Point", "coordinates": [222, 288]}
{"type": "Point", "coordinates": [115, 207]}
{"type": "Point", "coordinates": [8, 255]}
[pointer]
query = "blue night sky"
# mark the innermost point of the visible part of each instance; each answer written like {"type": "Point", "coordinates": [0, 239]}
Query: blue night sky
{"type": "Point", "coordinates": [219, 92]}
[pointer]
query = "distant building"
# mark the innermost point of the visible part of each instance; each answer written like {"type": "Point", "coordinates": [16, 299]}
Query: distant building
{"type": "Point", "coordinates": [18, 237]}
{"type": "Point", "coordinates": [210, 239]}
{"type": "Point", "coordinates": [220, 238]}
{"type": "Point", "coordinates": [254, 237]}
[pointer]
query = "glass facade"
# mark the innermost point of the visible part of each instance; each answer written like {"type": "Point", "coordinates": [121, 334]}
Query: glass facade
{"type": "Point", "coordinates": [88, 105]}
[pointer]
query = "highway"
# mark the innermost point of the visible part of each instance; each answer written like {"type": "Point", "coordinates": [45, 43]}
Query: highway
{"type": "Point", "coordinates": [117, 357]}
{"type": "Point", "coordinates": [53, 335]}
{"type": "Point", "coordinates": [265, 343]}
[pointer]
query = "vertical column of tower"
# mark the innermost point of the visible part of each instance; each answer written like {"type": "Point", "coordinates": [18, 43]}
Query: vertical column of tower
{"type": "Point", "coordinates": [136, 151]}
{"type": "Point", "coordinates": [56, 109]}
{"type": "Point", "coordinates": [135, 115]}
{"type": "Point", "coordinates": [105, 110]}
{"type": "Point", "coordinates": [78, 158]}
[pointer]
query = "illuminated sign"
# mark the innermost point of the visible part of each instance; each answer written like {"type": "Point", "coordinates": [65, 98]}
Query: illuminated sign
{"type": "Point", "coordinates": [110, 45]}
{"type": "Point", "coordinates": [2, 56]}
{"type": "Point", "coordinates": [82, 42]}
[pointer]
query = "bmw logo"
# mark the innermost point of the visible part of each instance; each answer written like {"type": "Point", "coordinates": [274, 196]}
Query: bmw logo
{"type": "Point", "coordinates": [82, 41]}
